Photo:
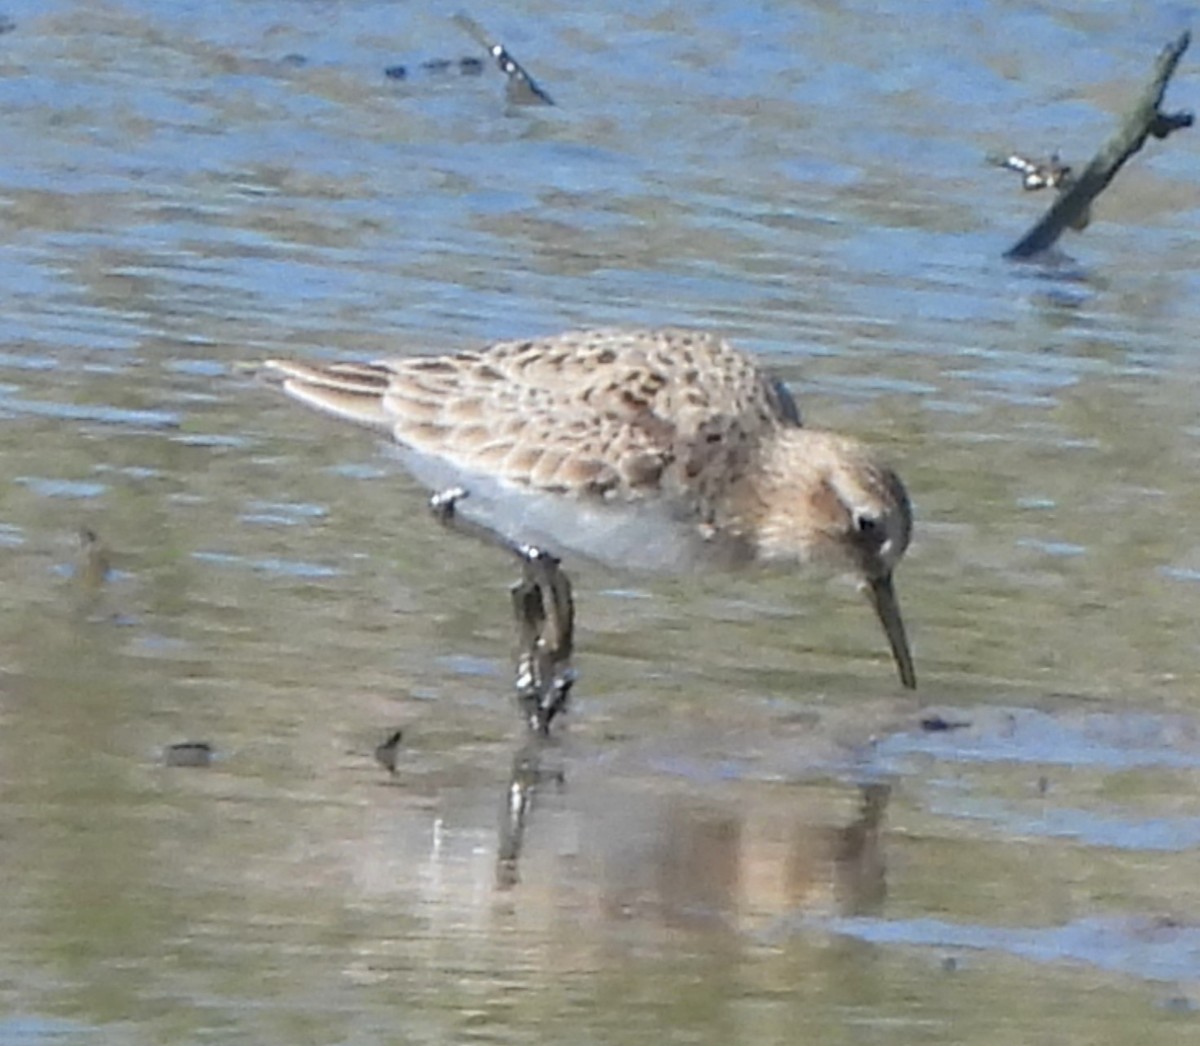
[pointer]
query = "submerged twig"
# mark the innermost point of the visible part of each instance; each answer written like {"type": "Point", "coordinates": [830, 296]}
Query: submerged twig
{"type": "Point", "coordinates": [1144, 119]}
{"type": "Point", "coordinates": [522, 89]}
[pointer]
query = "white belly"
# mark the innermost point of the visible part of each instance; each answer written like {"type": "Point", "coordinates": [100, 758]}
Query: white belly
{"type": "Point", "coordinates": [638, 536]}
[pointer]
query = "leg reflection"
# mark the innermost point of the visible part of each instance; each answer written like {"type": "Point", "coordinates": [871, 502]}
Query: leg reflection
{"type": "Point", "coordinates": [526, 780]}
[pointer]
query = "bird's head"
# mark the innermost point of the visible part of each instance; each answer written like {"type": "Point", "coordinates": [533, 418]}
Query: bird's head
{"type": "Point", "coordinates": [827, 498]}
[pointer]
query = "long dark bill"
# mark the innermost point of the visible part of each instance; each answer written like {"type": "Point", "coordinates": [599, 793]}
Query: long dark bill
{"type": "Point", "coordinates": [883, 598]}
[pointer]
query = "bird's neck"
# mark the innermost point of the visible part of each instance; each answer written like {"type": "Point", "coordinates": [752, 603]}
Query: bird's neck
{"type": "Point", "coordinates": [785, 508]}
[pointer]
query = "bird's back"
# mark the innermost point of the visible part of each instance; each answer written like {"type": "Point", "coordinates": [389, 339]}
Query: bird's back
{"type": "Point", "coordinates": [598, 413]}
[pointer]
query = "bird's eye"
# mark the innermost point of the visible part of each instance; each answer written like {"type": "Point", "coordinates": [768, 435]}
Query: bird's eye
{"type": "Point", "coordinates": [867, 526]}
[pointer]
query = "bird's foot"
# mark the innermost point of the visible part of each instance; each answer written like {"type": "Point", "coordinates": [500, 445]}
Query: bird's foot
{"type": "Point", "coordinates": [444, 504]}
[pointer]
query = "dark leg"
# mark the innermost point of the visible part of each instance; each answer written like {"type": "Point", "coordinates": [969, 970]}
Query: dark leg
{"type": "Point", "coordinates": [545, 615]}
{"type": "Point", "coordinates": [544, 610]}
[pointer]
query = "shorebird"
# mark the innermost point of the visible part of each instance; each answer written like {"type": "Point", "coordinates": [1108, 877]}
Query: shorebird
{"type": "Point", "coordinates": [662, 450]}
{"type": "Point", "coordinates": [1044, 174]}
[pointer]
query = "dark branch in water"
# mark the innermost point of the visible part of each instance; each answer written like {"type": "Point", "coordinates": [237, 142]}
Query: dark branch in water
{"type": "Point", "coordinates": [1071, 207]}
{"type": "Point", "coordinates": [522, 89]}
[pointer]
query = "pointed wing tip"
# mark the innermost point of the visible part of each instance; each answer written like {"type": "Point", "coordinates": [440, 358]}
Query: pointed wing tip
{"type": "Point", "coordinates": [341, 395]}
{"type": "Point", "coordinates": [281, 370]}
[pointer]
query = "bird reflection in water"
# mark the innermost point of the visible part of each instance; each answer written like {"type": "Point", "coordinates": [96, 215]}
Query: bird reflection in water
{"type": "Point", "coordinates": [690, 861]}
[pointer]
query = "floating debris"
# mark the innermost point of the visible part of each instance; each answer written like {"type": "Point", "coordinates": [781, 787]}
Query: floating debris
{"type": "Point", "coordinates": [522, 89]}
{"type": "Point", "coordinates": [196, 754]}
{"type": "Point", "coordinates": [466, 66]}
{"type": "Point", "coordinates": [385, 754]}
{"type": "Point", "coordinates": [936, 723]}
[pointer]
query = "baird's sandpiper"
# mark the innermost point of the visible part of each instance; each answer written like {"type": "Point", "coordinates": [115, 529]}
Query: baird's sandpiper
{"type": "Point", "coordinates": [646, 449]}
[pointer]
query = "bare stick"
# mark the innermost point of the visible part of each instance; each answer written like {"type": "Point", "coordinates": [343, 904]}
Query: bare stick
{"type": "Point", "coordinates": [1143, 120]}
{"type": "Point", "coordinates": [522, 88]}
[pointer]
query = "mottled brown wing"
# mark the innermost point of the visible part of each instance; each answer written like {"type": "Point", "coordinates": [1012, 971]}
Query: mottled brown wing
{"type": "Point", "coordinates": [606, 413]}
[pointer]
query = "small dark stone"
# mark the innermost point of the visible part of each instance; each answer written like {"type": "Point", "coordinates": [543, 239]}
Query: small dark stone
{"type": "Point", "coordinates": [436, 65]}
{"type": "Point", "coordinates": [294, 61]}
{"type": "Point", "coordinates": [385, 753]}
{"type": "Point", "coordinates": [470, 66]}
{"type": "Point", "coordinates": [396, 72]}
{"type": "Point", "coordinates": [189, 753]}
{"type": "Point", "coordinates": [936, 724]}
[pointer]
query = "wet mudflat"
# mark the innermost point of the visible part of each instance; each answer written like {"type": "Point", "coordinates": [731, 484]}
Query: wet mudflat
{"type": "Point", "coordinates": [744, 829]}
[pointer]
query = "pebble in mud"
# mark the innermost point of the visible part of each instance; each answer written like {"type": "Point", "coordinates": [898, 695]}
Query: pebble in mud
{"type": "Point", "coordinates": [194, 754]}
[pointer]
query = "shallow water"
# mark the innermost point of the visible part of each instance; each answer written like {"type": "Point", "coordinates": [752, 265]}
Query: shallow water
{"type": "Point", "coordinates": [744, 831]}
